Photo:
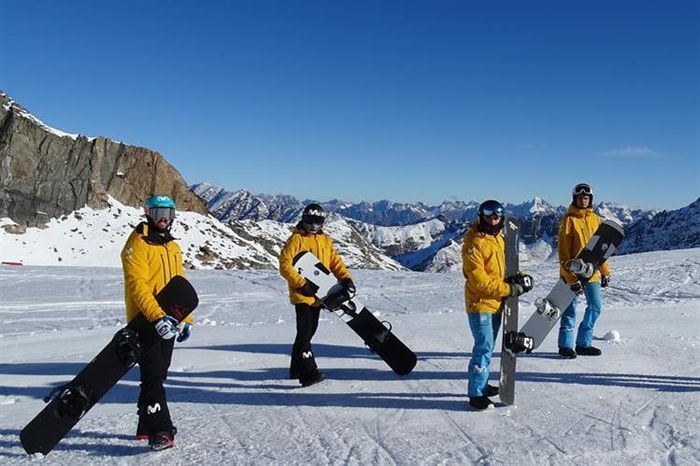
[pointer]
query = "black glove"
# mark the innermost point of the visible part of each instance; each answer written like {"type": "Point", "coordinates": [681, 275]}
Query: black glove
{"type": "Point", "coordinates": [348, 286]}
{"type": "Point", "coordinates": [308, 289]}
{"type": "Point", "coordinates": [525, 281]}
{"type": "Point", "coordinates": [604, 280]}
{"type": "Point", "coordinates": [577, 288]}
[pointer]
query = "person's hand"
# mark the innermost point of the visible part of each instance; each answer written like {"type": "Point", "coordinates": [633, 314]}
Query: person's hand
{"type": "Point", "coordinates": [577, 288]}
{"type": "Point", "coordinates": [166, 327]}
{"type": "Point", "coordinates": [516, 290]}
{"type": "Point", "coordinates": [524, 280]}
{"type": "Point", "coordinates": [348, 286]}
{"type": "Point", "coordinates": [308, 289]}
{"type": "Point", "coordinates": [185, 332]}
{"type": "Point", "coordinates": [604, 281]}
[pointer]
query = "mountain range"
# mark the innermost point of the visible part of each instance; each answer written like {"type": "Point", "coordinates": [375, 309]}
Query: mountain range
{"type": "Point", "coordinates": [69, 199]}
{"type": "Point", "coordinates": [422, 237]}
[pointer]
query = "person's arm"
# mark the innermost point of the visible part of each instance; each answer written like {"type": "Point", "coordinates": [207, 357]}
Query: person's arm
{"type": "Point", "coordinates": [564, 239]}
{"type": "Point", "coordinates": [287, 270]}
{"type": "Point", "coordinates": [475, 272]}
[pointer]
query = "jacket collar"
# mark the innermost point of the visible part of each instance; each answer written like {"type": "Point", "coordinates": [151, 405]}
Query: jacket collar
{"type": "Point", "coordinates": [151, 235]}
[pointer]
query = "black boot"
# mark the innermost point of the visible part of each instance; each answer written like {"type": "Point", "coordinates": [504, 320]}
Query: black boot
{"type": "Point", "coordinates": [588, 351]}
{"type": "Point", "coordinates": [312, 378]}
{"type": "Point", "coordinates": [567, 353]}
{"type": "Point", "coordinates": [491, 390]}
{"type": "Point", "coordinates": [480, 403]}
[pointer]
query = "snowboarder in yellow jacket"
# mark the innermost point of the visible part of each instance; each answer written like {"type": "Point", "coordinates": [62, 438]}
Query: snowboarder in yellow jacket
{"type": "Point", "coordinates": [309, 236]}
{"type": "Point", "coordinates": [150, 258]}
{"type": "Point", "coordinates": [483, 265]}
{"type": "Point", "coordinates": [576, 228]}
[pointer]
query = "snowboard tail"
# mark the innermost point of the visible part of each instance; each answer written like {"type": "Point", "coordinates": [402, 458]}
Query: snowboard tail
{"type": "Point", "coordinates": [68, 403]}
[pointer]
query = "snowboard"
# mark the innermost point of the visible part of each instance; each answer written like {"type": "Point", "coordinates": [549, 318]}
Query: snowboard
{"type": "Point", "coordinates": [379, 338]}
{"type": "Point", "coordinates": [506, 386]}
{"type": "Point", "coordinates": [548, 310]}
{"type": "Point", "coordinates": [68, 403]}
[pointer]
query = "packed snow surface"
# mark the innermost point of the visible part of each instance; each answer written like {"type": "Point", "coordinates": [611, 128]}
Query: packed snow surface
{"type": "Point", "coordinates": [232, 402]}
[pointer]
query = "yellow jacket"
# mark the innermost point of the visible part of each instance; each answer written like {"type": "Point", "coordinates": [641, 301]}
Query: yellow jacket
{"type": "Point", "coordinates": [321, 246]}
{"type": "Point", "coordinates": [149, 262]}
{"type": "Point", "coordinates": [484, 266]}
{"type": "Point", "coordinates": [576, 229]}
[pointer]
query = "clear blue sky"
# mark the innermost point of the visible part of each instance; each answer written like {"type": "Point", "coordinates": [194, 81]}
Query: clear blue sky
{"type": "Point", "coordinates": [368, 100]}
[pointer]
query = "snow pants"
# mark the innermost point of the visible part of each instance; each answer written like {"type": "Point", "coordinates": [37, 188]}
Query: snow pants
{"type": "Point", "coordinates": [303, 361]}
{"type": "Point", "coordinates": [484, 327]}
{"type": "Point", "coordinates": [585, 329]}
{"type": "Point", "coordinates": [154, 415]}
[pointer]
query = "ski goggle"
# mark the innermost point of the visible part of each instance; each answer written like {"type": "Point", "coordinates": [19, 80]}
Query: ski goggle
{"type": "Point", "coordinates": [157, 213]}
{"type": "Point", "coordinates": [582, 190]}
{"type": "Point", "coordinates": [498, 211]}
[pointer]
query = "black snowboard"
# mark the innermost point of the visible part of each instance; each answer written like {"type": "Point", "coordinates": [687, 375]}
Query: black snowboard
{"type": "Point", "coordinates": [373, 332]}
{"type": "Point", "coordinates": [506, 386]}
{"type": "Point", "coordinates": [68, 403]}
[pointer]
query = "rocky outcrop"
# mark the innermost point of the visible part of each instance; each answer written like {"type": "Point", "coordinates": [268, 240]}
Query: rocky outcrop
{"type": "Point", "coordinates": [45, 173]}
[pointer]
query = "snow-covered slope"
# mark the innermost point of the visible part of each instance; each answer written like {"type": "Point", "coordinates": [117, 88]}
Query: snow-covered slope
{"type": "Point", "coordinates": [91, 237]}
{"type": "Point", "coordinates": [95, 237]}
{"type": "Point", "coordinates": [233, 404]}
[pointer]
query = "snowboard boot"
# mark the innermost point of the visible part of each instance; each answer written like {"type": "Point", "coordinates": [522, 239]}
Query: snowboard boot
{"type": "Point", "coordinates": [142, 435]}
{"type": "Point", "coordinates": [588, 351]}
{"type": "Point", "coordinates": [480, 403]}
{"type": "Point", "coordinates": [161, 441]}
{"type": "Point", "coordinates": [312, 378]}
{"type": "Point", "coordinates": [567, 353]}
{"type": "Point", "coordinates": [491, 390]}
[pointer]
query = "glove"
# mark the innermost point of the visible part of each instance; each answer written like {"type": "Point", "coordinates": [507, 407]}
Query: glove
{"type": "Point", "coordinates": [604, 281]}
{"type": "Point", "coordinates": [185, 332]}
{"type": "Point", "coordinates": [308, 289]}
{"type": "Point", "coordinates": [524, 280]}
{"type": "Point", "coordinates": [516, 290]}
{"type": "Point", "coordinates": [577, 288]}
{"type": "Point", "coordinates": [166, 327]}
{"type": "Point", "coordinates": [348, 285]}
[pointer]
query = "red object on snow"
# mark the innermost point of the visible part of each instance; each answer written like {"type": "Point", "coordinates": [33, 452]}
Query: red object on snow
{"type": "Point", "coordinates": [11, 263]}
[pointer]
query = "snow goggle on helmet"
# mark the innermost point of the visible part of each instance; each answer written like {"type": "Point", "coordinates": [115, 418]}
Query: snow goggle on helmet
{"type": "Point", "coordinates": [489, 208]}
{"type": "Point", "coordinates": [582, 189]}
{"type": "Point", "coordinates": [156, 213]}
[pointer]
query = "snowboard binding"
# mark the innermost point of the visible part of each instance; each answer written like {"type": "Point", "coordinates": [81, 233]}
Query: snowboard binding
{"type": "Point", "coordinates": [128, 347]}
{"type": "Point", "coordinates": [580, 267]}
{"type": "Point", "coordinates": [72, 401]}
{"type": "Point", "coordinates": [546, 309]}
{"type": "Point", "coordinates": [517, 342]}
{"type": "Point", "coordinates": [336, 297]}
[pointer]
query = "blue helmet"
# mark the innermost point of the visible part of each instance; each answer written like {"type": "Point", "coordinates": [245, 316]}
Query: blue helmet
{"type": "Point", "coordinates": [159, 200]}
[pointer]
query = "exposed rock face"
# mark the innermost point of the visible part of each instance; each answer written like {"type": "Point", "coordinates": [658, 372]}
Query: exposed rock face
{"type": "Point", "coordinates": [45, 173]}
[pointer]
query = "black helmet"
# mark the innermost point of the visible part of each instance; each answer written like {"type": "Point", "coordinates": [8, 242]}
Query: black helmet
{"type": "Point", "coordinates": [487, 209]}
{"type": "Point", "coordinates": [582, 189]}
{"type": "Point", "coordinates": [312, 218]}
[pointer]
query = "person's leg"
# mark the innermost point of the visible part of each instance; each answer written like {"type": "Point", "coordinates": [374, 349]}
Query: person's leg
{"type": "Point", "coordinates": [303, 361]}
{"type": "Point", "coordinates": [566, 326]}
{"type": "Point", "coordinates": [481, 325]}
{"type": "Point", "coordinates": [154, 415]}
{"type": "Point", "coordinates": [590, 317]}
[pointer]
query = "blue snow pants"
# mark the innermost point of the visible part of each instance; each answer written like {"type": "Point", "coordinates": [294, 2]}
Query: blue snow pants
{"type": "Point", "coordinates": [484, 327]}
{"type": "Point", "coordinates": [585, 329]}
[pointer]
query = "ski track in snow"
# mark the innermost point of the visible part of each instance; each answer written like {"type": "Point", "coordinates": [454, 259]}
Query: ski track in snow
{"type": "Point", "coordinates": [233, 404]}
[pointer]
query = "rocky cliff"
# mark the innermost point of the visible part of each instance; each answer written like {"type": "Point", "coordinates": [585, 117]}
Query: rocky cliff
{"type": "Point", "coordinates": [45, 173]}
